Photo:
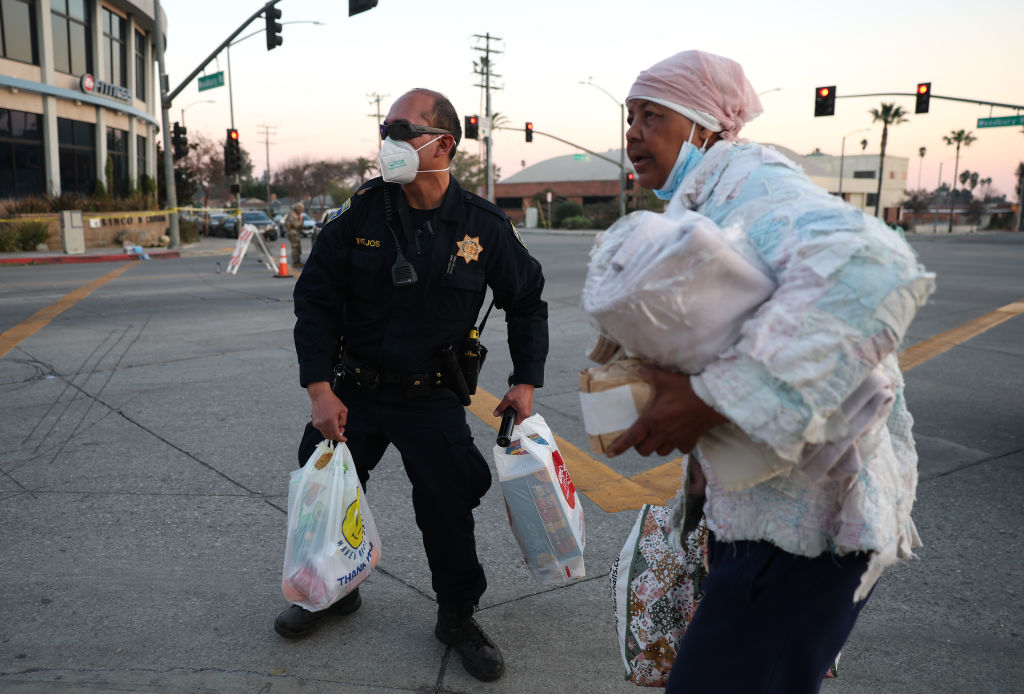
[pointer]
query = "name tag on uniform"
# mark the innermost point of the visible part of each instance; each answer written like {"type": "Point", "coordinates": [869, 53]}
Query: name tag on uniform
{"type": "Point", "coordinates": [368, 243]}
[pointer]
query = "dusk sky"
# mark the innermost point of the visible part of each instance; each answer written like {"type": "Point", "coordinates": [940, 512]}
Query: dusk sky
{"type": "Point", "coordinates": [314, 89]}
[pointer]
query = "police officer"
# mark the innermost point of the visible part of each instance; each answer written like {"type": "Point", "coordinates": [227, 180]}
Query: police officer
{"type": "Point", "coordinates": [397, 275]}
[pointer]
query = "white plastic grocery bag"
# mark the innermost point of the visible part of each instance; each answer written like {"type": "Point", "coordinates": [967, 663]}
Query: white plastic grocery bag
{"type": "Point", "coordinates": [332, 543]}
{"type": "Point", "coordinates": [543, 507]}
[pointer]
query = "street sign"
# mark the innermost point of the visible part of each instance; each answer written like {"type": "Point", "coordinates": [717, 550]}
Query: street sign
{"type": "Point", "coordinates": [998, 122]}
{"type": "Point", "coordinates": [581, 157]}
{"type": "Point", "coordinates": [211, 81]}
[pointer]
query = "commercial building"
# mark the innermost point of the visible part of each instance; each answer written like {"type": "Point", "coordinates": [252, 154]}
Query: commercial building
{"type": "Point", "coordinates": [78, 100]}
{"type": "Point", "coordinates": [589, 180]}
{"type": "Point", "coordinates": [581, 178]}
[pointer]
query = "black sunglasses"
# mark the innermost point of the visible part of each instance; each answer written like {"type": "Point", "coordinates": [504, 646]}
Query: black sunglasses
{"type": "Point", "coordinates": [407, 131]}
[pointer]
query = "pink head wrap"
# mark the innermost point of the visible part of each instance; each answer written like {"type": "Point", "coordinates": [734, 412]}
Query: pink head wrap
{"type": "Point", "coordinates": [706, 88]}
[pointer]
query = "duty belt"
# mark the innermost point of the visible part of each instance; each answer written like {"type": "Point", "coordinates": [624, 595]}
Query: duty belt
{"type": "Point", "coordinates": [371, 377]}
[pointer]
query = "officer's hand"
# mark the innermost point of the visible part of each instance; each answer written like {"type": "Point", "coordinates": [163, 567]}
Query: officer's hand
{"type": "Point", "coordinates": [521, 398]}
{"type": "Point", "coordinates": [674, 418]}
{"type": "Point", "coordinates": [329, 413]}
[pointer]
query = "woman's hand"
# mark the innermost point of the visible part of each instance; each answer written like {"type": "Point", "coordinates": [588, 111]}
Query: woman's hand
{"type": "Point", "coordinates": [675, 418]}
{"type": "Point", "coordinates": [329, 413]}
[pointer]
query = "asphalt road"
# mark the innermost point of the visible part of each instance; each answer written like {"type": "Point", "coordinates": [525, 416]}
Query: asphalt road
{"type": "Point", "coordinates": [148, 428]}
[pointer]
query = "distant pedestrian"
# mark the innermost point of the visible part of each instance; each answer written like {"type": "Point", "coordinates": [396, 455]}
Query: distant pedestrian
{"type": "Point", "coordinates": [797, 545]}
{"type": "Point", "coordinates": [293, 228]}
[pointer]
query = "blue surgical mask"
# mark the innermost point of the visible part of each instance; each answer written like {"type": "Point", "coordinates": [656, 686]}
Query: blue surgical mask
{"type": "Point", "coordinates": [688, 157]}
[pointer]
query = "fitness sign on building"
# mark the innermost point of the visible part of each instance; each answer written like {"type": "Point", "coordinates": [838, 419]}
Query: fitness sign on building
{"type": "Point", "coordinates": [90, 85]}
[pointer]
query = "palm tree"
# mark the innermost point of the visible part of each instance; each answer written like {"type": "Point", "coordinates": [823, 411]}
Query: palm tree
{"type": "Point", "coordinates": [960, 138]}
{"type": "Point", "coordinates": [888, 114]}
{"type": "Point", "coordinates": [921, 153]}
{"type": "Point", "coordinates": [863, 145]}
{"type": "Point", "coordinates": [363, 167]}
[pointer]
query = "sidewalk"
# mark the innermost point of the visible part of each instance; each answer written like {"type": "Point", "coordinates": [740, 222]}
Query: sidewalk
{"type": "Point", "coordinates": [109, 254]}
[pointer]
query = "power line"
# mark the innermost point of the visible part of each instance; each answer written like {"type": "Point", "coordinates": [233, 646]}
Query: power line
{"type": "Point", "coordinates": [483, 68]}
{"type": "Point", "coordinates": [375, 99]}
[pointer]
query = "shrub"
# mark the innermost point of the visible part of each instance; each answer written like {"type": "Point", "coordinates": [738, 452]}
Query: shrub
{"type": "Point", "coordinates": [188, 231]}
{"type": "Point", "coordinates": [566, 209]}
{"type": "Point", "coordinates": [577, 222]}
{"type": "Point", "coordinates": [22, 236]}
{"type": "Point", "coordinates": [8, 238]}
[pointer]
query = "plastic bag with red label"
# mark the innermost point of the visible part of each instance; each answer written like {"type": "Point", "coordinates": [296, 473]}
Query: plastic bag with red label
{"type": "Point", "coordinates": [543, 507]}
{"type": "Point", "coordinates": [332, 543]}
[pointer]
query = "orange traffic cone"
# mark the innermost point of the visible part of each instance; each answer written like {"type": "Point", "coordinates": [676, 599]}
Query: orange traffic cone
{"type": "Point", "coordinates": [282, 266]}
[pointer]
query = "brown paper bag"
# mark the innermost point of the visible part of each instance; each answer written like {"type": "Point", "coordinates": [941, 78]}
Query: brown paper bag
{"type": "Point", "coordinates": [612, 397]}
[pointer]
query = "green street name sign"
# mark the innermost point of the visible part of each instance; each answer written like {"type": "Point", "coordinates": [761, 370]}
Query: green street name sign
{"type": "Point", "coordinates": [998, 122]}
{"type": "Point", "coordinates": [211, 81]}
{"type": "Point", "coordinates": [581, 157]}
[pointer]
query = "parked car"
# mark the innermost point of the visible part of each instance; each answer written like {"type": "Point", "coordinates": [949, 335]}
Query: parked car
{"type": "Point", "coordinates": [260, 220]}
{"type": "Point", "coordinates": [216, 222]}
{"type": "Point", "coordinates": [308, 225]}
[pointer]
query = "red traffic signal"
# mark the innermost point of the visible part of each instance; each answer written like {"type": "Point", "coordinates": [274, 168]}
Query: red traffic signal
{"type": "Point", "coordinates": [232, 134]}
{"type": "Point", "coordinates": [529, 131]}
{"type": "Point", "coordinates": [924, 95]}
{"type": "Point", "coordinates": [472, 128]}
{"type": "Point", "coordinates": [825, 101]}
{"type": "Point", "coordinates": [630, 177]}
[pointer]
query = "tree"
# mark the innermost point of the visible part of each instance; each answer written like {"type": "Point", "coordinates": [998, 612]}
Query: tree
{"type": "Point", "coordinates": [363, 168]}
{"type": "Point", "coordinates": [965, 176]}
{"type": "Point", "coordinates": [960, 138]}
{"type": "Point", "coordinates": [863, 145]}
{"type": "Point", "coordinates": [917, 201]}
{"type": "Point", "coordinates": [920, 152]}
{"type": "Point", "coordinates": [470, 171]}
{"type": "Point", "coordinates": [887, 114]}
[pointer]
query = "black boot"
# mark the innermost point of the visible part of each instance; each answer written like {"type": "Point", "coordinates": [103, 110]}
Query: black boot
{"type": "Point", "coordinates": [458, 629]}
{"type": "Point", "coordinates": [296, 621]}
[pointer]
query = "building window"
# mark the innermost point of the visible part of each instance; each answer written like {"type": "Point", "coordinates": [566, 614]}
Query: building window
{"type": "Point", "coordinates": [116, 69]}
{"type": "Point", "coordinates": [77, 143]}
{"type": "Point", "coordinates": [863, 174]}
{"type": "Point", "coordinates": [72, 50]}
{"type": "Point", "coordinates": [18, 31]}
{"type": "Point", "coordinates": [117, 160]}
{"type": "Point", "coordinates": [510, 203]}
{"type": "Point", "coordinates": [140, 158]}
{"type": "Point", "coordinates": [140, 65]}
{"type": "Point", "coordinates": [871, 199]}
{"type": "Point", "coordinates": [21, 154]}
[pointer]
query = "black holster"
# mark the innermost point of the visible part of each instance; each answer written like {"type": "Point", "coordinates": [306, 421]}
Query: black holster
{"type": "Point", "coordinates": [453, 372]}
{"type": "Point", "coordinates": [471, 361]}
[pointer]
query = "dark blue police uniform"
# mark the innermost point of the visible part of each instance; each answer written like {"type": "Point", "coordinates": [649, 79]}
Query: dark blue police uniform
{"type": "Point", "coordinates": [394, 337]}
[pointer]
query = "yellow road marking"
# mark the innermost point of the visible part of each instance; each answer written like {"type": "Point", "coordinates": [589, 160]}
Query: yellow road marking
{"type": "Point", "coordinates": [38, 320]}
{"type": "Point", "coordinates": [943, 342]}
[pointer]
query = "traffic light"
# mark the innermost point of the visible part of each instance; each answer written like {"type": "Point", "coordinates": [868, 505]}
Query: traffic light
{"type": "Point", "coordinates": [629, 177]}
{"type": "Point", "coordinates": [357, 6]}
{"type": "Point", "coordinates": [924, 95]}
{"type": "Point", "coordinates": [274, 38]}
{"type": "Point", "coordinates": [529, 131]}
{"type": "Point", "coordinates": [472, 129]}
{"type": "Point", "coordinates": [179, 142]}
{"type": "Point", "coordinates": [825, 101]}
{"type": "Point", "coordinates": [232, 154]}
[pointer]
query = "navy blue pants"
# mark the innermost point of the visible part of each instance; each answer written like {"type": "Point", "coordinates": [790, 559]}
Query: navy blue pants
{"type": "Point", "coordinates": [449, 476]}
{"type": "Point", "coordinates": [770, 622]}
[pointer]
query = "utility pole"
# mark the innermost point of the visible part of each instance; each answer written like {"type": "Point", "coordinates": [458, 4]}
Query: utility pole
{"type": "Point", "coordinates": [375, 98]}
{"type": "Point", "coordinates": [266, 131]}
{"type": "Point", "coordinates": [165, 103]}
{"type": "Point", "coordinates": [484, 69]}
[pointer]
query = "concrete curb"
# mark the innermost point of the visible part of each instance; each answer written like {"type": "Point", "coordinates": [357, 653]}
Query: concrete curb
{"type": "Point", "coordinates": [86, 258]}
